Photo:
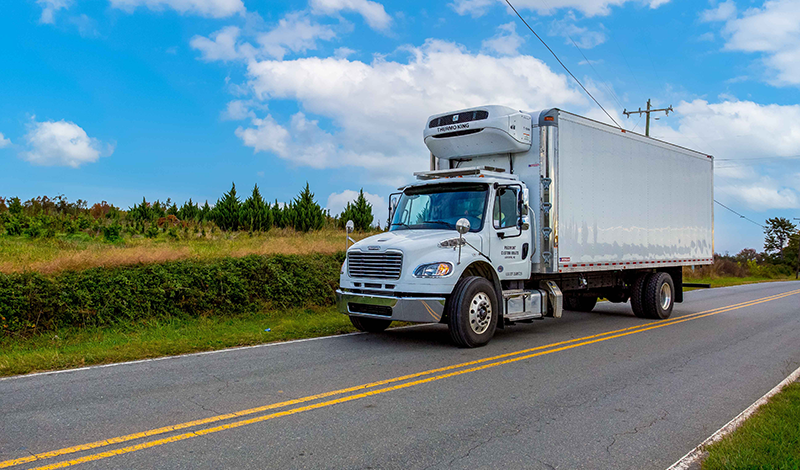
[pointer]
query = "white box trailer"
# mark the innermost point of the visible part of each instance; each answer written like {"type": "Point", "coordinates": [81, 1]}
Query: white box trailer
{"type": "Point", "coordinates": [573, 210]}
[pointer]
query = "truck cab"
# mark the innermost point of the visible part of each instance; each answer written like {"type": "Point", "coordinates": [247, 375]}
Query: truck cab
{"type": "Point", "coordinates": [412, 272]}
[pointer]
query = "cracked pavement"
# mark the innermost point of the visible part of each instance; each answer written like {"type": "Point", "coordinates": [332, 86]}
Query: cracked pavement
{"type": "Point", "coordinates": [636, 402]}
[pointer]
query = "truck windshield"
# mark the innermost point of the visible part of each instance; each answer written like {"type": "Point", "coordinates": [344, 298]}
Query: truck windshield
{"type": "Point", "coordinates": [440, 207]}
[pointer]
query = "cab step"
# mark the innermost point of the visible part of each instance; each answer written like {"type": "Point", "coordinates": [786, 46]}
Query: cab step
{"type": "Point", "coordinates": [521, 304]}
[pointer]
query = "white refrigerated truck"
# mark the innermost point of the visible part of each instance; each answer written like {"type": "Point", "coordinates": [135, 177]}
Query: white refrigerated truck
{"type": "Point", "coordinates": [525, 214]}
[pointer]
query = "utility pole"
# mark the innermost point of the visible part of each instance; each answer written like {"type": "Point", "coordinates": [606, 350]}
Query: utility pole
{"type": "Point", "coordinates": [797, 274]}
{"type": "Point", "coordinates": [647, 112]}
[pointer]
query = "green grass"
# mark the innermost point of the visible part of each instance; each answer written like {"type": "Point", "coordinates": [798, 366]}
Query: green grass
{"type": "Point", "coordinates": [732, 281]}
{"type": "Point", "coordinates": [75, 347]}
{"type": "Point", "coordinates": [770, 439]}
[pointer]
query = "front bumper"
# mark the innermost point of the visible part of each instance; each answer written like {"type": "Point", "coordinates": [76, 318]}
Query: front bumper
{"type": "Point", "coordinates": [410, 309]}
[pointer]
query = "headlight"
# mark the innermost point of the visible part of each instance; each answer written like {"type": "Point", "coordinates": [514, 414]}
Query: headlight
{"type": "Point", "coordinates": [434, 270]}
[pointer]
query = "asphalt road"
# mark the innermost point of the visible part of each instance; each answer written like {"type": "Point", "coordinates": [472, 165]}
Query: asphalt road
{"type": "Point", "coordinates": [591, 390]}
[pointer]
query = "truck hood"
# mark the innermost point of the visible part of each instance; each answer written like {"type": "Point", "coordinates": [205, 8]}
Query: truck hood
{"type": "Point", "coordinates": [411, 241]}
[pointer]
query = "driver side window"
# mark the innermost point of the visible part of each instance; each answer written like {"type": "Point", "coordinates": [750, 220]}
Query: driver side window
{"type": "Point", "coordinates": [506, 211]}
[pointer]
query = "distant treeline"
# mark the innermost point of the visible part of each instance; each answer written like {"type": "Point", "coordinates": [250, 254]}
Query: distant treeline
{"type": "Point", "coordinates": [45, 217]}
{"type": "Point", "coordinates": [779, 259]}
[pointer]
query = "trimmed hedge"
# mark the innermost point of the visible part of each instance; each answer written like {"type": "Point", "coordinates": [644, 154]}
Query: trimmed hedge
{"type": "Point", "coordinates": [106, 296]}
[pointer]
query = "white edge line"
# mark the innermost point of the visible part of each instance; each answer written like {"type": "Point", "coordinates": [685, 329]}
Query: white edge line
{"type": "Point", "coordinates": [201, 353]}
{"type": "Point", "coordinates": [694, 455]}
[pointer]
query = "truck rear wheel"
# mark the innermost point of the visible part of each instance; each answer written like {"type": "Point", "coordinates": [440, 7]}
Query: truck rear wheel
{"type": "Point", "coordinates": [637, 295]}
{"type": "Point", "coordinates": [659, 296]}
{"type": "Point", "coordinates": [472, 312]}
{"type": "Point", "coordinates": [580, 303]}
{"type": "Point", "coordinates": [370, 325]}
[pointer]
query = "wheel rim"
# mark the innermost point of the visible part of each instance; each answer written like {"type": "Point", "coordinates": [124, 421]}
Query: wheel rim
{"type": "Point", "coordinates": [480, 313]}
{"type": "Point", "coordinates": [666, 296]}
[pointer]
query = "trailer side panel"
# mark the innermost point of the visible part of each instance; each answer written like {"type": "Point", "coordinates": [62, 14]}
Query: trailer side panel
{"type": "Point", "coordinates": [626, 201]}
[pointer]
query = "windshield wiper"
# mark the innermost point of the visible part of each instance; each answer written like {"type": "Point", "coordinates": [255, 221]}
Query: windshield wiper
{"type": "Point", "coordinates": [441, 222]}
{"type": "Point", "coordinates": [401, 224]}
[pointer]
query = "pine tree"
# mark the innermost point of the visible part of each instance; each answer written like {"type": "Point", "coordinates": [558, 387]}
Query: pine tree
{"type": "Point", "coordinates": [255, 213]}
{"type": "Point", "coordinates": [205, 212]}
{"type": "Point", "coordinates": [277, 215]}
{"type": "Point", "coordinates": [173, 210]}
{"type": "Point", "coordinates": [189, 211]}
{"type": "Point", "coordinates": [15, 206]}
{"type": "Point", "coordinates": [226, 212]}
{"type": "Point", "coordinates": [359, 211]}
{"type": "Point", "coordinates": [306, 213]}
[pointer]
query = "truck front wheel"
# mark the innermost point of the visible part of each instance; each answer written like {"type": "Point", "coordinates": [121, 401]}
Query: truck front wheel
{"type": "Point", "coordinates": [370, 325]}
{"type": "Point", "coordinates": [472, 312]}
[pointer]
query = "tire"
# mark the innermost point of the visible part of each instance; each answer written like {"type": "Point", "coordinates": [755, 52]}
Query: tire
{"type": "Point", "coordinates": [472, 312]}
{"type": "Point", "coordinates": [659, 296]}
{"type": "Point", "coordinates": [637, 294]}
{"type": "Point", "coordinates": [370, 325]}
{"type": "Point", "coordinates": [580, 303]}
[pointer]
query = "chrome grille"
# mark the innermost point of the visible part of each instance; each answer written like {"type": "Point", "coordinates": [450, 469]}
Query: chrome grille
{"type": "Point", "coordinates": [375, 265]}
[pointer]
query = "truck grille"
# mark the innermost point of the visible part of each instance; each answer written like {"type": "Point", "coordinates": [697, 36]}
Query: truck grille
{"type": "Point", "coordinates": [375, 265]}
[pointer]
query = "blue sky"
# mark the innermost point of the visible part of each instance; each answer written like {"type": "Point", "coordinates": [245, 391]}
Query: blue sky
{"type": "Point", "coordinates": [118, 99]}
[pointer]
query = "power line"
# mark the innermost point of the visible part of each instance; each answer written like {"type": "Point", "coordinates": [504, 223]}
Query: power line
{"type": "Point", "coordinates": [589, 62]}
{"type": "Point", "coordinates": [740, 215]}
{"type": "Point", "coordinates": [562, 63]}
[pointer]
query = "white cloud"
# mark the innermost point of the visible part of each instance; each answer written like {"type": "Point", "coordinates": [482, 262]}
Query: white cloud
{"type": "Point", "coordinates": [222, 45]}
{"type": "Point", "coordinates": [238, 110]}
{"type": "Point", "coordinates": [3, 141]}
{"type": "Point", "coordinates": [87, 27]}
{"type": "Point", "coordinates": [505, 42]}
{"type": "Point", "coordinates": [372, 12]}
{"type": "Point", "coordinates": [772, 30]}
{"type": "Point", "coordinates": [208, 8]}
{"type": "Point", "coordinates": [746, 138]}
{"type": "Point", "coordinates": [49, 9]}
{"type": "Point", "coordinates": [343, 52]}
{"type": "Point", "coordinates": [62, 143]}
{"type": "Point", "coordinates": [723, 12]}
{"type": "Point", "coordinates": [738, 129]}
{"type": "Point", "coordinates": [583, 37]}
{"type": "Point", "coordinates": [377, 110]}
{"type": "Point", "coordinates": [761, 195]}
{"type": "Point", "coordinates": [295, 33]}
{"type": "Point", "coordinates": [587, 7]}
{"type": "Point", "coordinates": [303, 143]}
{"type": "Point", "coordinates": [380, 210]}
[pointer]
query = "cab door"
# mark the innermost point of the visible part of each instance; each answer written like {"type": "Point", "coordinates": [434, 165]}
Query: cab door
{"type": "Point", "coordinates": [510, 241]}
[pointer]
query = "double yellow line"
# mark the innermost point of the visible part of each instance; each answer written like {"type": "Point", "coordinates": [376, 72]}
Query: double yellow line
{"type": "Point", "coordinates": [444, 372]}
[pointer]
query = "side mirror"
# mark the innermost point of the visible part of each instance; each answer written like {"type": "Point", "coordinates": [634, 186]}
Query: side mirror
{"type": "Point", "coordinates": [349, 227]}
{"type": "Point", "coordinates": [394, 200]}
{"type": "Point", "coordinates": [462, 226]}
{"type": "Point", "coordinates": [526, 202]}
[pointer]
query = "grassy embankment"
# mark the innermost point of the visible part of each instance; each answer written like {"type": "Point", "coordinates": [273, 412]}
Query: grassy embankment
{"type": "Point", "coordinates": [770, 439]}
{"type": "Point", "coordinates": [77, 252]}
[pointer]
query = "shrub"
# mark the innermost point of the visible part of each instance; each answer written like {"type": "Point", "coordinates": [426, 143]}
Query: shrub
{"type": "Point", "coordinates": [106, 296]}
{"type": "Point", "coordinates": [112, 233]}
